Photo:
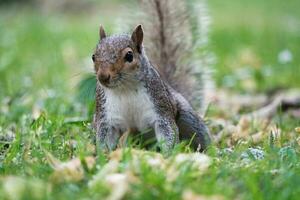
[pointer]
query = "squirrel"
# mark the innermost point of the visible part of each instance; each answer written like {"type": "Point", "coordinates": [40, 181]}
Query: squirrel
{"type": "Point", "coordinates": [134, 92]}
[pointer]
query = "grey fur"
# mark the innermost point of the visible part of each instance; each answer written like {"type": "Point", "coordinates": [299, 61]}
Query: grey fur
{"type": "Point", "coordinates": [176, 38]}
{"type": "Point", "coordinates": [175, 117]}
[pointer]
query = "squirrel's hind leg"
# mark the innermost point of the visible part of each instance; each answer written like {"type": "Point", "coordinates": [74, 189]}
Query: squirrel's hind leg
{"type": "Point", "coordinates": [192, 127]}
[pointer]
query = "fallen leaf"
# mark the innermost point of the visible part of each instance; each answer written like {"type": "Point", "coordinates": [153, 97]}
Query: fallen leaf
{"type": "Point", "coordinates": [257, 137]}
{"type": "Point", "coordinates": [153, 159]}
{"type": "Point", "coordinates": [71, 171]}
{"type": "Point", "coordinates": [298, 141]}
{"type": "Point", "coordinates": [198, 160]}
{"type": "Point", "coordinates": [36, 111]}
{"type": "Point", "coordinates": [109, 168]}
{"type": "Point", "coordinates": [190, 195]}
{"type": "Point", "coordinates": [15, 187]}
{"type": "Point", "coordinates": [119, 184]}
{"type": "Point", "coordinates": [242, 129]}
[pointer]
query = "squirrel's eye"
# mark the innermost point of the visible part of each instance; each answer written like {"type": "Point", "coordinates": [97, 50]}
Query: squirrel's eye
{"type": "Point", "coordinates": [129, 56]}
{"type": "Point", "coordinates": [93, 57]}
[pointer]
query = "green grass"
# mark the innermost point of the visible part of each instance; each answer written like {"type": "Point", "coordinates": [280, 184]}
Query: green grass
{"type": "Point", "coordinates": [42, 58]}
{"type": "Point", "coordinates": [249, 36]}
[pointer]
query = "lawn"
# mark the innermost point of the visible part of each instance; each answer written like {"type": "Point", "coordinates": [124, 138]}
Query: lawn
{"type": "Point", "coordinates": [46, 143]}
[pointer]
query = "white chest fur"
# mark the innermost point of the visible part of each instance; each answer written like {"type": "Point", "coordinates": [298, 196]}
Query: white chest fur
{"type": "Point", "coordinates": [130, 109]}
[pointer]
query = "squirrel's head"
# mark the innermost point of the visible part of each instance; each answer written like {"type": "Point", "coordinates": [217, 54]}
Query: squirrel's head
{"type": "Point", "coordinates": [116, 58]}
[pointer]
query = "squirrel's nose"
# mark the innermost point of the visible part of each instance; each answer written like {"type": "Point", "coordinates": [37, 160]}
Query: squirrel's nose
{"type": "Point", "coordinates": [104, 78]}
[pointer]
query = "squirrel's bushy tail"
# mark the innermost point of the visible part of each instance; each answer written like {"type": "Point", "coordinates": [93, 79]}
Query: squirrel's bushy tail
{"type": "Point", "coordinates": [175, 42]}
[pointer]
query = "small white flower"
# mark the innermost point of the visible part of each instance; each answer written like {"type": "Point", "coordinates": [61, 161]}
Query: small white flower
{"type": "Point", "coordinates": [255, 153]}
{"type": "Point", "coordinates": [285, 56]}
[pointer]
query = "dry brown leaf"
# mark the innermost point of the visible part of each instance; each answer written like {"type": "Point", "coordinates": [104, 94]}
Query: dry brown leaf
{"type": "Point", "coordinates": [242, 129]}
{"type": "Point", "coordinates": [258, 137]}
{"type": "Point", "coordinates": [15, 187]}
{"type": "Point", "coordinates": [116, 154]}
{"type": "Point", "coordinates": [109, 168]}
{"type": "Point", "coordinates": [190, 195]}
{"type": "Point", "coordinates": [152, 158]}
{"type": "Point", "coordinates": [275, 134]}
{"type": "Point", "coordinates": [298, 141]}
{"type": "Point", "coordinates": [119, 184]}
{"type": "Point", "coordinates": [123, 139]}
{"type": "Point", "coordinates": [199, 160]}
{"type": "Point", "coordinates": [36, 111]}
{"type": "Point", "coordinates": [71, 171]}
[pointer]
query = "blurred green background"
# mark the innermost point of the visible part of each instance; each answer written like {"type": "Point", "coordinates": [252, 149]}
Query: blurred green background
{"type": "Point", "coordinates": [47, 45]}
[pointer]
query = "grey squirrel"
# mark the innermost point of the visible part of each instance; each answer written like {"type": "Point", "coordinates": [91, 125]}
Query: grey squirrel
{"type": "Point", "coordinates": [133, 94]}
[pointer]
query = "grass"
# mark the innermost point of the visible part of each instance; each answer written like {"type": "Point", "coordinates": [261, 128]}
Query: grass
{"type": "Point", "coordinates": [44, 55]}
{"type": "Point", "coordinates": [249, 36]}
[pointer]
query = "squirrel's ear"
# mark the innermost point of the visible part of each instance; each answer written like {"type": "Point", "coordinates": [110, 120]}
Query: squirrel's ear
{"type": "Point", "coordinates": [137, 37]}
{"type": "Point", "coordinates": [102, 34]}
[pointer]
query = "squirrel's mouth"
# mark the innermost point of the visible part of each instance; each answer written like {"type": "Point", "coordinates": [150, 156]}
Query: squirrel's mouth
{"type": "Point", "coordinates": [121, 81]}
{"type": "Point", "coordinates": [110, 85]}
{"type": "Point", "coordinates": [113, 82]}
